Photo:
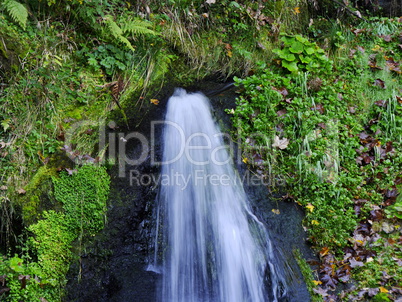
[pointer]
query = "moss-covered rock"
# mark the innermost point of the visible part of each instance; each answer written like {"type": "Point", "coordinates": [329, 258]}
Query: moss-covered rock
{"type": "Point", "coordinates": [38, 195]}
{"type": "Point", "coordinates": [11, 47]}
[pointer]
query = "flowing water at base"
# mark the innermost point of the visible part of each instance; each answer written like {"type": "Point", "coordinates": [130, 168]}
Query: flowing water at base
{"type": "Point", "coordinates": [209, 246]}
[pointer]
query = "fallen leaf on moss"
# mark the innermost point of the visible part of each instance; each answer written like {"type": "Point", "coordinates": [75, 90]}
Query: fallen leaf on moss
{"type": "Point", "coordinates": [280, 143]}
{"type": "Point", "coordinates": [379, 83]}
{"type": "Point", "coordinates": [310, 207]}
{"type": "Point", "coordinates": [21, 191]}
{"type": "Point", "coordinates": [354, 263]}
{"type": "Point", "coordinates": [383, 289]}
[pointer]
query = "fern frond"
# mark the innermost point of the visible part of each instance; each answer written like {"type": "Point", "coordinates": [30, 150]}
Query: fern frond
{"type": "Point", "coordinates": [138, 27]}
{"type": "Point", "coordinates": [116, 31]}
{"type": "Point", "coordinates": [17, 11]}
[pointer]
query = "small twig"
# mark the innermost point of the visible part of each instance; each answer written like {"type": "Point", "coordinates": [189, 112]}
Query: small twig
{"type": "Point", "coordinates": [358, 15]}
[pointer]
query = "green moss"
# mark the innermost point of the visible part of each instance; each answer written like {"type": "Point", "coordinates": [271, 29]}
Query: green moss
{"type": "Point", "coordinates": [12, 45]}
{"type": "Point", "coordinates": [38, 196]}
{"type": "Point", "coordinates": [308, 276]}
{"type": "Point", "coordinates": [83, 195]}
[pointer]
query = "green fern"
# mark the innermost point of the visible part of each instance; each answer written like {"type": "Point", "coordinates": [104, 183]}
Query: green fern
{"type": "Point", "coordinates": [17, 11]}
{"type": "Point", "coordinates": [129, 27]}
{"type": "Point", "coordinates": [138, 27]}
{"type": "Point", "coordinates": [116, 31]}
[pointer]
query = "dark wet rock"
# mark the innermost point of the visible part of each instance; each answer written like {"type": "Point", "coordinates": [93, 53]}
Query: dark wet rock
{"type": "Point", "coordinates": [112, 267]}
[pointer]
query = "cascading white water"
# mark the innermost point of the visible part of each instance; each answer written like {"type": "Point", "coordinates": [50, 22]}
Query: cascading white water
{"type": "Point", "coordinates": [212, 248]}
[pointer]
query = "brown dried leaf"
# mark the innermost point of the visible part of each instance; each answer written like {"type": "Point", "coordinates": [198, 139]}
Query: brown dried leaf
{"type": "Point", "coordinates": [70, 171]}
{"type": "Point", "coordinates": [21, 191]}
{"type": "Point", "coordinates": [379, 83]}
{"type": "Point", "coordinates": [281, 112]}
{"type": "Point", "coordinates": [358, 31]}
{"type": "Point", "coordinates": [381, 103]}
{"type": "Point", "coordinates": [282, 91]}
{"type": "Point", "coordinates": [319, 108]}
{"type": "Point", "coordinates": [321, 291]}
{"type": "Point", "coordinates": [280, 143]}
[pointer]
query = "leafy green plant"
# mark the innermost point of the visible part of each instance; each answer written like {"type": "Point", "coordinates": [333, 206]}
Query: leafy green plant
{"type": "Point", "coordinates": [298, 54]}
{"type": "Point", "coordinates": [83, 194]}
{"type": "Point", "coordinates": [109, 58]}
{"type": "Point", "coordinates": [52, 241]}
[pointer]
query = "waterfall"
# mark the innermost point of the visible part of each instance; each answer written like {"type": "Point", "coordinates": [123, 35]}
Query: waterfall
{"type": "Point", "coordinates": [209, 245]}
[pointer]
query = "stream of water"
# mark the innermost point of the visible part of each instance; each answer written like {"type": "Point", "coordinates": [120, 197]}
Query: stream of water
{"type": "Point", "coordinates": [209, 246]}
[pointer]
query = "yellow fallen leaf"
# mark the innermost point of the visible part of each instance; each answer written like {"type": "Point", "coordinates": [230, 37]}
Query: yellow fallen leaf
{"type": "Point", "coordinates": [324, 251]}
{"type": "Point", "coordinates": [383, 289]}
{"type": "Point", "coordinates": [310, 207]}
{"type": "Point", "coordinates": [315, 222]}
{"type": "Point", "coordinates": [376, 48]}
{"type": "Point", "coordinates": [154, 101]}
{"type": "Point", "coordinates": [245, 160]}
{"type": "Point", "coordinates": [229, 53]}
{"type": "Point", "coordinates": [296, 10]}
{"type": "Point", "coordinates": [276, 211]}
{"type": "Point", "coordinates": [317, 282]}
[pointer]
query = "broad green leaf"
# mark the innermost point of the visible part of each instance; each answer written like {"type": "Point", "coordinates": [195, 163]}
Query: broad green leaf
{"type": "Point", "coordinates": [291, 66]}
{"type": "Point", "coordinates": [306, 59]}
{"type": "Point", "coordinates": [290, 57]}
{"type": "Point", "coordinates": [286, 55]}
{"type": "Point", "coordinates": [296, 47]}
{"type": "Point", "coordinates": [309, 50]}
{"type": "Point", "coordinates": [287, 40]}
{"type": "Point", "coordinates": [301, 39]}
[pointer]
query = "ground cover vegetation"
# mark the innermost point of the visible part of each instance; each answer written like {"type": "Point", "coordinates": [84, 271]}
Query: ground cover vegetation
{"type": "Point", "coordinates": [318, 113]}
